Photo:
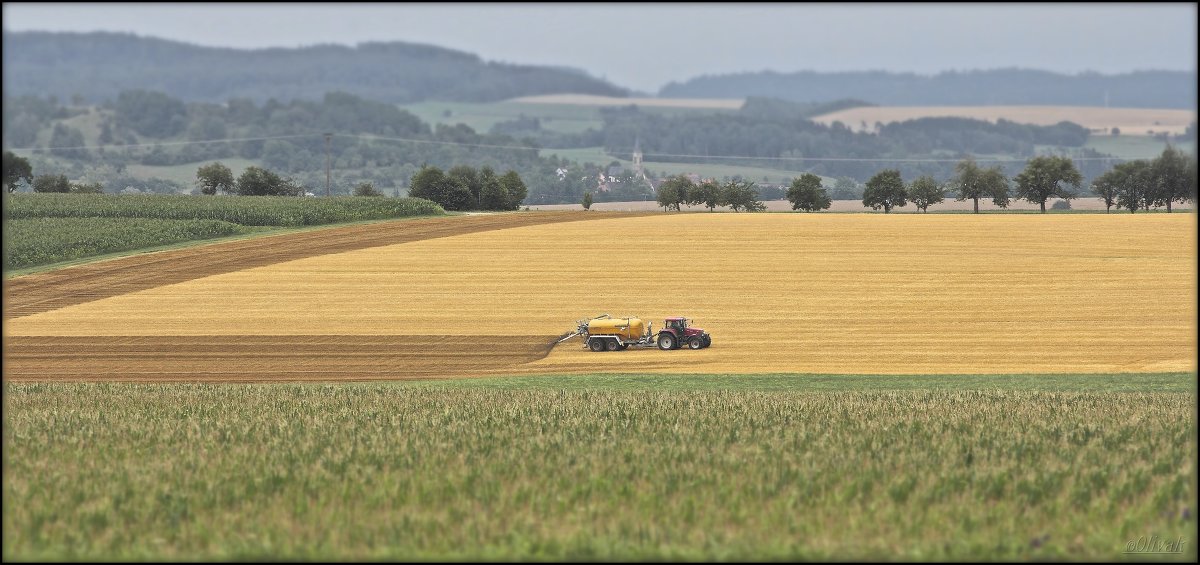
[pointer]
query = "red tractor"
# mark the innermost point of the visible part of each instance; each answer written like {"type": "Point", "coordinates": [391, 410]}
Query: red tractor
{"type": "Point", "coordinates": [676, 334]}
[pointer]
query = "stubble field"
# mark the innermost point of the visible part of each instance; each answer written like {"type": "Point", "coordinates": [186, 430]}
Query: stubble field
{"type": "Point", "coordinates": [848, 294]}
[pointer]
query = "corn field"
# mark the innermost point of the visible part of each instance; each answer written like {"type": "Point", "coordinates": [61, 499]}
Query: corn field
{"type": "Point", "coordinates": [41, 229]}
{"type": "Point", "coordinates": [348, 472]}
{"type": "Point", "coordinates": [244, 210]}
{"type": "Point", "coordinates": [39, 241]}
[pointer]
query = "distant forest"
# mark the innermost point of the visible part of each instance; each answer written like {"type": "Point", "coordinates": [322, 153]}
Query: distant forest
{"type": "Point", "coordinates": [781, 131]}
{"type": "Point", "coordinates": [1142, 89]}
{"type": "Point", "coordinates": [94, 67]}
{"type": "Point", "coordinates": [152, 128]}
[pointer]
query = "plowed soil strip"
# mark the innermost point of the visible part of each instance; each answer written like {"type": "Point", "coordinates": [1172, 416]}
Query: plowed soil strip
{"type": "Point", "coordinates": [42, 292]}
{"type": "Point", "coordinates": [265, 358]}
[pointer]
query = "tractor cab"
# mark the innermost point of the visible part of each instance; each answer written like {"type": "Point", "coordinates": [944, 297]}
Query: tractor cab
{"type": "Point", "coordinates": [677, 324]}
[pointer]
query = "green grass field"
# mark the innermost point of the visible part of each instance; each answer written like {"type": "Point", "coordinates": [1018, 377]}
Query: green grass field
{"type": "Point", "coordinates": [563, 118]}
{"type": "Point", "coordinates": [700, 467]}
{"type": "Point", "coordinates": [1134, 146]}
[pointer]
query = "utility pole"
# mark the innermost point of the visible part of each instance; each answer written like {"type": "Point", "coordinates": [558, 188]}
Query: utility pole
{"type": "Point", "coordinates": [328, 136]}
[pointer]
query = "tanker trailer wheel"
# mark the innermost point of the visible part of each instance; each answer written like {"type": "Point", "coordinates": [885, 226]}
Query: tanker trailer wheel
{"type": "Point", "coordinates": [611, 345]}
{"type": "Point", "coordinates": [596, 344]}
{"type": "Point", "coordinates": [696, 343]}
{"type": "Point", "coordinates": [666, 341]}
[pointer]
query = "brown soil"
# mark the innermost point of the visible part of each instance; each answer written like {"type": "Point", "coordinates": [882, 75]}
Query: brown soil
{"type": "Point", "coordinates": [259, 358]}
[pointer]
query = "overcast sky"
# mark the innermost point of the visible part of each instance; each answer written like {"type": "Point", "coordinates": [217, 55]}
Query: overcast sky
{"type": "Point", "coordinates": [646, 46]}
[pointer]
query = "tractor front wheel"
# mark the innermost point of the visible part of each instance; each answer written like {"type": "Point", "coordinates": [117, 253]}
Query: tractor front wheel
{"type": "Point", "coordinates": [666, 341]}
{"type": "Point", "coordinates": [696, 343]}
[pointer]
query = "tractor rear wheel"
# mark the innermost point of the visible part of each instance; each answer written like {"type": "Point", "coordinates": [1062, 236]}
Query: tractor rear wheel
{"type": "Point", "coordinates": [696, 343]}
{"type": "Point", "coordinates": [666, 341]}
{"type": "Point", "coordinates": [596, 344]}
{"type": "Point", "coordinates": [611, 345]}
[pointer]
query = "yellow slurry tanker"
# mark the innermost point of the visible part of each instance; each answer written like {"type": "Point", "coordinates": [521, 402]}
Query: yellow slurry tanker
{"type": "Point", "coordinates": [606, 333]}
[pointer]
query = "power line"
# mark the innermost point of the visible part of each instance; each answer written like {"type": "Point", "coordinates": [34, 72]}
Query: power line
{"type": "Point", "coordinates": [435, 142]}
{"type": "Point", "coordinates": [860, 159]}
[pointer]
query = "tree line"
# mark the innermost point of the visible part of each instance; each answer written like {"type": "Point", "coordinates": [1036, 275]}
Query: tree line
{"type": "Point", "coordinates": [367, 146]}
{"type": "Point", "coordinates": [779, 134]}
{"type": "Point", "coordinates": [738, 195]}
{"type": "Point", "coordinates": [1169, 178]}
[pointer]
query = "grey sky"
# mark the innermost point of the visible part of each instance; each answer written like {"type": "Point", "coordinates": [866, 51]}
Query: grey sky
{"type": "Point", "coordinates": [645, 46]}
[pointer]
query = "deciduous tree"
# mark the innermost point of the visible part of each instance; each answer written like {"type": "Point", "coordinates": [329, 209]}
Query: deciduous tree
{"type": "Point", "coordinates": [214, 177]}
{"type": "Point", "coordinates": [366, 188]}
{"type": "Point", "coordinates": [673, 192]}
{"type": "Point", "coordinates": [1107, 186]}
{"type": "Point", "coordinates": [1045, 177]}
{"type": "Point", "coordinates": [1131, 180]}
{"type": "Point", "coordinates": [16, 169]}
{"type": "Point", "coordinates": [1170, 179]}
{"type": "Point", "coordinates": [741, 195]}
{"type": "Point", "coordinates": [925, 191]}
{"type": "Point", "coordinates": [806, 193]}
{"type": "Point", "coordinates": [709, 194]}
{"type": "Point", "coordinates": [885, 190]}
{"type": "Point", "coordinates": [515, 188]}
{"type": "Point", "coordinates": [51, 183]}
{"type": "Point", "coordinates": [257, 181]}
{"type": "Point", "coordinates": [493, 195]}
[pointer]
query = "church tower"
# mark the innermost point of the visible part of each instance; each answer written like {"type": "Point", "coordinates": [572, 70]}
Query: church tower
{"type": "Point", "coordinates": [637, 158]}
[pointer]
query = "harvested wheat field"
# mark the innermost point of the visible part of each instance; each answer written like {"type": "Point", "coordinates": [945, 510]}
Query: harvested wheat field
{"type": "Point", "coordinates": [1131, 121]}
{"type": "Point", "coordinates": [866, 294]}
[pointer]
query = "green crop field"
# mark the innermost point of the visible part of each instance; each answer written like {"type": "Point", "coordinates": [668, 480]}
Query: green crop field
{"type": "Point", "coordinates": [715, 467]}
{"type": "Point", "coordinates": [564, 118]}
{"type": "Point", "coordinates": [42, 229]}
{"type": "Point", "coordinates": [40, 241]}
{"type": "Point", "coordinates": [1134, 146]}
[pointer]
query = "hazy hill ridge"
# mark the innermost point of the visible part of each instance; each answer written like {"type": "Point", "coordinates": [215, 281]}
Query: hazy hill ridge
{"type": "Point", "coordinates": [99, 65]}
{"type": "Point", "coordinates": [1142, 89]}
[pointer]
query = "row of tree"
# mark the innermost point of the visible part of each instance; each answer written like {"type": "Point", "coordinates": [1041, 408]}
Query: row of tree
{"type": "Point", "coordinates": [1142, 184]}
{"type": "Point", "coordinates": [1169, 178]}
{"type": "Point", "coordinates": [465, 188]}
{"type": "Point", "coordinates": [679, 190]}
{"type": "Point", "coordinates": [254, 181]}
